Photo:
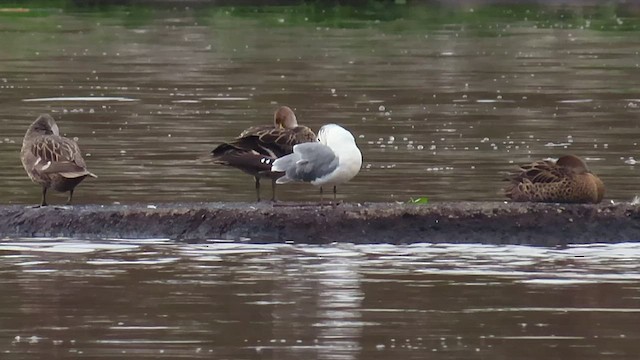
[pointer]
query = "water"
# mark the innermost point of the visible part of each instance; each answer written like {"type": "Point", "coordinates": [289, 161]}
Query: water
{"type": "Point", "coordinates": [124, 299]}
{"type": "Point", "coordinates": [440, 103]}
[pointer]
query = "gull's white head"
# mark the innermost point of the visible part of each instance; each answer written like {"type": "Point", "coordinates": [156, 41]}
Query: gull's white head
{"type": "Point", "coordinates": [334, 135]}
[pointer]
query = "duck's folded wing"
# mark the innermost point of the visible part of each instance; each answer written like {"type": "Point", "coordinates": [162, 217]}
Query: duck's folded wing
{"type": "Point", "coordinates": [273, 142]}
{"type": "Point", "coordinates": [538, 172]}
{"type": "Point", "coordinates": [256, 152]}
{"type": "Point", "coordinates": [278, 141]}
{"type": "Point", "coordinates": [255, 130]}
{"type": "Point", "coordinates": [247, 160]}
{"type": "Point", "coordinates": [59, 155]}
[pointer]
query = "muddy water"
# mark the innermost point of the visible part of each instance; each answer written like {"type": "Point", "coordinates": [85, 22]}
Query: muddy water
{"type": "Point", "coordinates": [154, 299]}
{"type": "Point", "coordinates": [438, 110]}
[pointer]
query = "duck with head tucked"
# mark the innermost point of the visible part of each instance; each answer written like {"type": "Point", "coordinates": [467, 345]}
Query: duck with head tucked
{"type": "Point", "coordinates": [567, 180]}
{"type": "Point", "coordinates": [51, 160]}
{"type": "Point", "coordinates": [257, 147]}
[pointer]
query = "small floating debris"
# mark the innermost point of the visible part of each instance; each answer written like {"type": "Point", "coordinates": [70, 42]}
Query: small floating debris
{"type": "Point", "coordinates": [575, 101]}
{"type": "Point", "coordinates": [186, 101]}
{"type": "Point", "coordinates": [630, 161]}
{"type": "Point", "coordinates": [441, 168]}
{"type": "Point", "coordinates": [225, 98]}
{"type": "Point", "coordinates": [151, 207]}
{"type": "Point", "coordinates": [494, 101]}
{"type": "Point", "coordinates": [82, 98]}
{"type": "Point", "coordinates": [550, 144]}
{"type": "Point", "coordinates": [369, 101]}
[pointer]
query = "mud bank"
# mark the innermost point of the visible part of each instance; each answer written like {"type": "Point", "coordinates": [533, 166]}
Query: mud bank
{"type": "Point", "coordinates": [459, 222]}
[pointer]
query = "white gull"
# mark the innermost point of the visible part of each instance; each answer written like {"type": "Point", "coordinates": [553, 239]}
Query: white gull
{"type": "Point", "coordinates": [333, 160]}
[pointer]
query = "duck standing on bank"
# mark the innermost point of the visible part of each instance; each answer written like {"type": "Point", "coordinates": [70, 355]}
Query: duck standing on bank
{"type": "Point", "coordinates": [257, 147]}
{"type": "Point", "coordinates": [333, 160]}
{"type": "Point", "coordinates": [567, 180]}
{"type": "Point", "coordinates": [51, 160]}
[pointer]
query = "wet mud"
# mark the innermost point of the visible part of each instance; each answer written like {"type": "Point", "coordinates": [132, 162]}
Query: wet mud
{"type": "Point", "coordinates": [454, 222]}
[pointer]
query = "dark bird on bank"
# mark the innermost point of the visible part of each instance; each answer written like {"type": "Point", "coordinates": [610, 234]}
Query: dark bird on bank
{"type": "Point", "coordinates": [567, 180]}
{"type": "Point", "coordinates": [51, 160]}
{"type": "Point", "coordinates": [257, 147]}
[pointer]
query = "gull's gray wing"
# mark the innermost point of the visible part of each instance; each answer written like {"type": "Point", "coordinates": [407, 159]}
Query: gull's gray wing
{"type": "Point", "coordinates": [308, 162]}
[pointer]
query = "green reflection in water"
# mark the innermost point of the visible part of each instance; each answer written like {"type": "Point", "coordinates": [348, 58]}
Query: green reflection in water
{"type": "Point", "coordinates": [387, 15]}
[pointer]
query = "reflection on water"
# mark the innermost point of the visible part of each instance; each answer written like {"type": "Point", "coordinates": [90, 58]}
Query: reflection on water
{"type": "Point", "coordinates": [156, 299]}
{"type": "Point", "coordinates": [438, 107]}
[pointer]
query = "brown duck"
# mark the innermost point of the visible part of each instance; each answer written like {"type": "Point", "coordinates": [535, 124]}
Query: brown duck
{"type": "Point", "coordinates": [51, 160]}
{"type": "Point", "coordinates": [567, 180]}
{"type": "Point", "coordinates": [257, 147]}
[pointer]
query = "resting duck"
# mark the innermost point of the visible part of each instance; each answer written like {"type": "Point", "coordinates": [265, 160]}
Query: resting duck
{"type": "Point", "coordinates": [51, 160]}
{"type": "Point", "coordinates": [567, 180]}
{"type": "Point", "coordinates": [257, 147]}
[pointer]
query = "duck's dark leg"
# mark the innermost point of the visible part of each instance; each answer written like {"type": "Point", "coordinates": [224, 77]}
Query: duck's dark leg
{"type": "Point", "coordinates": [44, 196]}
{"type": "Point", "coordinates": [258, 188]}
{"type": "Point", "coordinates": [273, 190]}
{"type": "Point", "coordinates": [70, 197]}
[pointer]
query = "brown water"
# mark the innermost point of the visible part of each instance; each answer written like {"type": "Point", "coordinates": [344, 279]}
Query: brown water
{"type": "Point", "coordinates": [437, 112]}
{"type": "Point", "coordinates": [155, 299]}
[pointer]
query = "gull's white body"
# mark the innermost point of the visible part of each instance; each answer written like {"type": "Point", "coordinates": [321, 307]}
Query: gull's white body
{"type": "Point", "coordinates": [333, 160]}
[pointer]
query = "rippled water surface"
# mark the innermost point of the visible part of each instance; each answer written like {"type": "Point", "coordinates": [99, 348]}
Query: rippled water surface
{"type": "Point", "coordinates": [439, 107]}
{"type": "Point", "coordinates": [123, 299]}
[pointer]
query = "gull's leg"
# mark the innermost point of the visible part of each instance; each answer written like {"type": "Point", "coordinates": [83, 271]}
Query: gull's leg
{"type": "Point", "coordinates": [321, 195]}
{"type": "Point", "coordinates": [257, 188]}
{"type": "Point", "coordinates": [335, 202]}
